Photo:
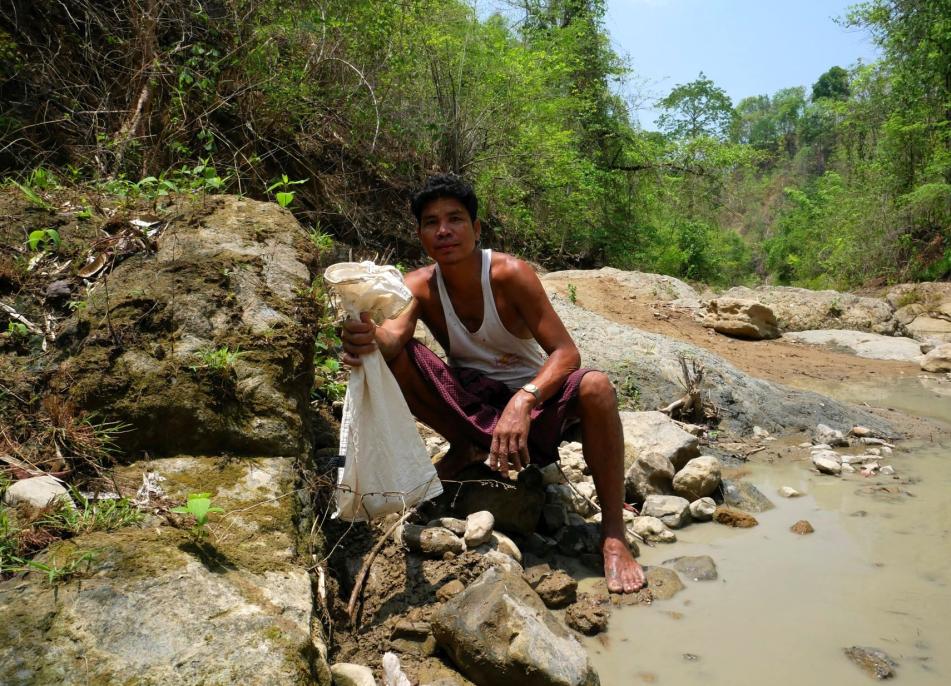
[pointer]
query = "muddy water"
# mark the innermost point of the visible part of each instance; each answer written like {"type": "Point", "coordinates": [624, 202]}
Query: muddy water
{"type": "Point", "coordinates": [874, 573]}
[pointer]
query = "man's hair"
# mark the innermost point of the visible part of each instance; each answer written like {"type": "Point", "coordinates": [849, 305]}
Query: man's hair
{"type": "Point", "coordinates": [445, 186]}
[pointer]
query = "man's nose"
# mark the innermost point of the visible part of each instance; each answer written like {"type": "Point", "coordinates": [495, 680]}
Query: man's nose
{"type": "Point", "coordinates": [443, 228]}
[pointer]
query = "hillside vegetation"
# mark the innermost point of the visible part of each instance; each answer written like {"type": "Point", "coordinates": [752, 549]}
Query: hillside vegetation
{"type": "Point", "coordinates": [844, 184]}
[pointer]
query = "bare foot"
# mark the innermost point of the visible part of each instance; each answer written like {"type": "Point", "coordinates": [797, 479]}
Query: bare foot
{"type": "Point", "coordinates": [458, 457]}
{"type": "Point", "coordinates": [621, 571]}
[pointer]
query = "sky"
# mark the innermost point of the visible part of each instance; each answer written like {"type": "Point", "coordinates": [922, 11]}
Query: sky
{"type": "Point", "coordinates": [746, 47]}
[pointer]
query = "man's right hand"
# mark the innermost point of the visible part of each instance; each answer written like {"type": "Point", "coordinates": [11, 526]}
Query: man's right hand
{"type": "Point", "coordinates": [359, 338]}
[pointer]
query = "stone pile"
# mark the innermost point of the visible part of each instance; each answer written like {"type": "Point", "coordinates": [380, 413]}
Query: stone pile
{"type": "Point", "coordinates": [828, 461]}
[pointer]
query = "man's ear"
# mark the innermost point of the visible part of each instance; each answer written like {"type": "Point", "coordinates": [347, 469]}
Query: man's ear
{"type": "Point", "coordinates": [477, 228]}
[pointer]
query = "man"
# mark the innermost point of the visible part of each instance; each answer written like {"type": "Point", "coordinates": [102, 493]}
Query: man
{"type": "Point", "coordinates": [490, 313]}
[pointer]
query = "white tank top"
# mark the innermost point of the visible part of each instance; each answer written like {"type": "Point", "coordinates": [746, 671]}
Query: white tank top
{"type": "Point", "coordinates": [492, 350]}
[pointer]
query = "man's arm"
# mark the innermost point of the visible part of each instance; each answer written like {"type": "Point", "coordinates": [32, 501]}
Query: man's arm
{"type": "Point", "coordinates": [363, 337]}
{"type": "Point", "coordinates": [522, 288]}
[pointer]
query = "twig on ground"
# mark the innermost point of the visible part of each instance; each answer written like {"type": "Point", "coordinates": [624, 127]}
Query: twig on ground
{"type": "Point", "coordinates": [365, 569]}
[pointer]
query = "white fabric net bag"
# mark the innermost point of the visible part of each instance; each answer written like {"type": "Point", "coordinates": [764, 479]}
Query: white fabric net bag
{"type": "Point", "coordinates": [386, 468]}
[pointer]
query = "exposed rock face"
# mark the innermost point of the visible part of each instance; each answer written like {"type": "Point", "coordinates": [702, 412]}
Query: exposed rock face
{"type": "Point", "coordinates": [698, 479]}
{"type": "Point", "coordinates": [498, 631]}
{"type": "Point", "coordinates": [741, 318]}
{"type": "Point", "coordinates": [672, 510]}
{"type": "Point", "coordinates": [650, 363]}
{"type": "Point", "coordinates": [640, 285]}
{"type": "Point", "coordinates": [233, 282]}
{"type": "Point", "coordinates": [799, 309]}
{"type": "Point", "coordinates": [862, 343]}
{"type": "Point", "coordinates": [923, 309]}
{"type": "Point", "coordinates": [556, 588]}
{"type": "Point", "coordinates": [938, 360]}
{"type": "Point", "coordinates": [157, 609]}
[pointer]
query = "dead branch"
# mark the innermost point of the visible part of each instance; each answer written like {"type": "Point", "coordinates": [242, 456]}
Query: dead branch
{"type": "Point", "coordinates": [691, 403]}
{"type": "Point", "coordinates": [365, 569]}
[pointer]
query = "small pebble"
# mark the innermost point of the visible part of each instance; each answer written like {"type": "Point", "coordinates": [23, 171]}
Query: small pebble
{"type": "Point", "coordinates": [789, 492]}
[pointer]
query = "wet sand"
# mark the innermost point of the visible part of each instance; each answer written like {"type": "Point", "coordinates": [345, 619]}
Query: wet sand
{"type": "Point", "coordinates": [875, 573]}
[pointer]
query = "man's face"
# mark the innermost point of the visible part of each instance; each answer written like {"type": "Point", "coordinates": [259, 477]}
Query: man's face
{"type": "Point", "coordinates": [446, 231]}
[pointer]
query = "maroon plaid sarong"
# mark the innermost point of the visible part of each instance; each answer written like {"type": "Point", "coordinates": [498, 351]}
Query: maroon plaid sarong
{"type": "Point", "coordinates": [479, 401]}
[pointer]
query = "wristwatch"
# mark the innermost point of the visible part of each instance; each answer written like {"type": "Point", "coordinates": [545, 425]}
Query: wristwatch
{"type": "Point", "coordinates": [533, 389]}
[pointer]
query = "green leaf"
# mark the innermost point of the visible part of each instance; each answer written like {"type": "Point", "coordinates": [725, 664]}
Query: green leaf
{"type": "Point", "coordinates": [284, 198]}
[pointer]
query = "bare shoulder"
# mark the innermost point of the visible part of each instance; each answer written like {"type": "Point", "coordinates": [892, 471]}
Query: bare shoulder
{"type": "Point", "coordinates": [419, 282]}
{"type": "Point", "coordinates": [510, 271]}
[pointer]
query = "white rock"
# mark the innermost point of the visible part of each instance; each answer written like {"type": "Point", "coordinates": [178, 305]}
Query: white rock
{"type": "Point", "coordinates": [807, 444]}
{"type": "Point", "coordinates": [699, 478]}
{"type": "Point", "coordinates": [861, 343]}
{"type": "Point", "coordinates": [885, 450]}
{"type": "Point", "coordinates": [672, 510]}
{"type": "Point", "coordinates": [478, 528]}
{"type": "Point", "coordinates": [938, 360]}
{"type": "Point", "coordinates": [502, 544]}
{"type": "Point", "coordinates": [821, 446]}
{"type": "Point", "coordinates": [828, 462]}
{"type": "Point", "coordinates": [652, 529]}
{"type": "Point", "coordinates": [887, 470]}
{"type": "Point", "coordinates": [505, 563]}
{"type": "Point", "coordinates": [760, 432]}
{"type": "Point", "coordinates": [789, 492]}
{"type": "Point", "coordinates": [349, 674]}
{"type": "Point", "coordinates": [38, 491]}
{"type": "Point", "coordinates": [587, 489]}
{"type": "Point", "coordinates": [847, 468]}
{"type": "Point", "coordinates": [654, 433]}
{"type": "Point", "coordinates": [828, 435]}
{"type": "Point", "coordinates": [742, 318]}
{"type": "Point", "coordinates": [702, 510]}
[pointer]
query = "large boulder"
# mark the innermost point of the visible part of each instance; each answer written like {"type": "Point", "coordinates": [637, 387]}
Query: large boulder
{"type": "Point", "coordinates": [800, 309]}
{"type": "Point", "coordinates": [923, 309]}
{"type": "Point", "coordinates": [206, 345]}
{"type": "Point", "coordinates": [745, 496]}
{"type": "Point", "coordinates": [861, 343]}
{"type": "Point", "coordinates": [647, 370]}
{"type": "Point", "coordinates": [938, 360]}
{"type": "Point", "coordinates": [154, 607]}
{"type": "Point", "coordinates": [698, 479]}
{"type": "Point", "coordinates": [741, 318]}
{"type": "Point", "coordinates": [498, 631]}
{"type": "Point", "coordinates": [37, 491]}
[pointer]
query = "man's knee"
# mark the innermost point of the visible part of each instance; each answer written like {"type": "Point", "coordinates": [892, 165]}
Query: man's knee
{"type": "Point", "coordinates": [597, 391]}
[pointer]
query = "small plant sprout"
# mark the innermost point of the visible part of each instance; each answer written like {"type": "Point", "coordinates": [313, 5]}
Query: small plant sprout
{"type": "Point", "coordinates": [285, 196]}
{"type": "Point", "coordinates": [199, 507]}
{"type": "Point", "coordinates": [217, 360]}
{"type": "Point", "coordinates": [43, 239]}
{"type": "Point", "coordinates": [17, 331]}
{"type": "Point", "coordinates": [572, 293]}
{"type": "Point", "coordinates": [323, 242]}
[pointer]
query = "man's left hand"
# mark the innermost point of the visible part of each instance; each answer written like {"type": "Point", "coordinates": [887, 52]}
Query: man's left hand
{"type": "Point", "coordinates": [509, 450]}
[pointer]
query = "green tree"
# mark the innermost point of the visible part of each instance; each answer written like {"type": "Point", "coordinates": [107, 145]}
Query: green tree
{"type": "Point", "coordinates": [832, 84]}
{"type": "Point", "coordinates": [698, 108]}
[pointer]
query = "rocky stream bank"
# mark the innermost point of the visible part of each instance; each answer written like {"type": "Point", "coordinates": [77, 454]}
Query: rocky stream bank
{"type": "Point", "coordinates": [169, 351]}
